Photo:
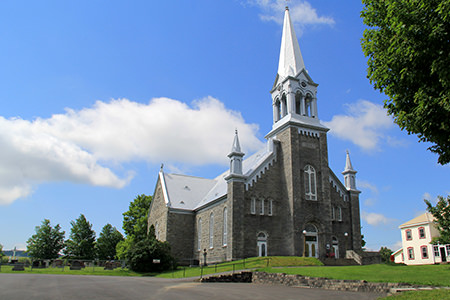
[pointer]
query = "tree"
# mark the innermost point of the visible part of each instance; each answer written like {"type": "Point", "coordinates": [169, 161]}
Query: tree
{"type": "Point", "coordinates": [408, 49]}
{"type": "Point", "coordinates": [107, 242]}
{"type": "Point", "coordinates": [135, 219]}
{"type": "Point", "coordinates": [81, 243]}
{"type": "Point", "coordinates": [1, 252]}
{"type": "Point", "coordinates": [441, 214]}
{"type": "Point", "coordinates": [140, 257]}
{"type": "Point", "coordinates": [385, 254]}
{"type": "Point", "coordinates": [47, 242]}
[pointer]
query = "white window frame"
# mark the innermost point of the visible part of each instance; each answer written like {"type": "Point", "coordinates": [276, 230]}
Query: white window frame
{"type": "Point", "coordinates": [436, 251]}
{"type": "Point", "coordinates": [253, 206]}
{"type": "Point", "coordinates": [199, 234]}
{"type": "Point", "coordinates": [225, 227]}
{"type": "Point", "coordinates": [310, 183]}
{"type": "Point", "coordinates": [211, 231]}
{"type": "Point", "coordinates": [261, 208]}
{"type": "Point", "coordinates": [339, 213]}
{"type": "Point", "coordinates": [270, 209]}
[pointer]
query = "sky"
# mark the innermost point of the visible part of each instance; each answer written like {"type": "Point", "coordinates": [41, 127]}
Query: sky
{"type": "Point", "coordinates": [96, 95]}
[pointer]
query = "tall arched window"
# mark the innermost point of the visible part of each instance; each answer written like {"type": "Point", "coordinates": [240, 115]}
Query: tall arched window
{"type": "Point", "coordinates": [211, 230]}
{"type": "Point", "coordinates": [298, 102]}
{"type": "Point", "coordinates": [310, 183]}
{"type": "Point", "coordinates": [308, 105]}
{"type": "Point", "coordinates": [225, 226]}
{"type": "Point", "coordinates": [277, 110]}
{"type": "Point", "coordinates": [283, 106]}
{"type": "Point", "coordinates": [199, 234]}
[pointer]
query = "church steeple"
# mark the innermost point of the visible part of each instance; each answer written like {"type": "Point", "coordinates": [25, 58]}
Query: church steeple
{"type": "Point", "coordinates": [236, 156]}
{"type": "Point", "coordinates": [349, 174]}
{"type": "Point", "coordinates": [294, 92]}
{"type": "Point", "coordinates": [291, 59]}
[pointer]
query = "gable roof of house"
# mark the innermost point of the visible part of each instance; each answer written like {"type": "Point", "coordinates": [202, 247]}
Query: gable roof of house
{"type": "Point", "coordinates": [425, 218]}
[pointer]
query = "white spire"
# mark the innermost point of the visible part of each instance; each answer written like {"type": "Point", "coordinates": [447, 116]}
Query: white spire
{"type": "Point", "coordinates": [291, 60]}
{"type": "Point", "coordinates": [349, 174]}
{"type": "Point", "coordinates": [348, 163]}
{"type": "Point", "coordinates": [236, 148]}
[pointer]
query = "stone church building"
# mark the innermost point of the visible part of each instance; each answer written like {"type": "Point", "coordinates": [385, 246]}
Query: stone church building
{"type": "Point", "coordinates": [283, 200]}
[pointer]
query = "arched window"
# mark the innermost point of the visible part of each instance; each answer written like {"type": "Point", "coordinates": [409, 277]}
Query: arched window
{"type": "Point", "coordinates": [308, 105]}
{"type": "Point", "coordinates": [283, 106]}
{"type": "Point", "coordinates": [211, 230]}
{"type": "Point", "coordinates": [278, 110]}
{"type": "Point", "coordinates": [199, 234]}
{"type": "Point", "coordinates": [225, 226]}
{"type": "Point", "coordinates": [310, 183]}
{"type": "Point", "coordinates": [298, 102]}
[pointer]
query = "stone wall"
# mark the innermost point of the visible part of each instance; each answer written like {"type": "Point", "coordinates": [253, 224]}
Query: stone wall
{"type": "Point", "coordinates": [325, 283]}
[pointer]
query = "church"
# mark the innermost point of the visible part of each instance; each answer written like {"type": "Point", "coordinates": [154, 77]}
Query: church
{"type": "Point", "coordinates": [283, 200]}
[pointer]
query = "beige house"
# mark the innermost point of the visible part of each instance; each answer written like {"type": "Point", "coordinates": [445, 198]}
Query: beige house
{"type": "Point", "coordinates": [416, 238]}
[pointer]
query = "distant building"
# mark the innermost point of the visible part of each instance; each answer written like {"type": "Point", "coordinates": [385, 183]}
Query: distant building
{"type": "Point", "coordinates": [416, 248]}
{"type": "Point", "coordinates": [283, 200]}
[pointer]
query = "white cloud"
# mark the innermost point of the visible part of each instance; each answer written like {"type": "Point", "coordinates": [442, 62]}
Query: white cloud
{"type": "Point", "coordinates": [367, 185]}
{"type": "Point", "coordinates": [301, 12]}
{"type": "Point", "coordinates": [82, 146]}
{"type": "Point", "coordinates": [364, 124]}
{"type": "Point", "coordinates": [375, 219]}
{"type": "Point", "coordinates": [427, 196]}
{"type": "Point", "coordinates": [397, 245]}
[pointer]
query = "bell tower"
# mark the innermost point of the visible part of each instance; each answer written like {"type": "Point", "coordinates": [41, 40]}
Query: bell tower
{"type": "Point", "coordinates": [294, 93]}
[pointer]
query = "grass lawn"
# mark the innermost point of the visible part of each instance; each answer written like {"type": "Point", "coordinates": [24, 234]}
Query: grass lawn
{"type": "Point", "coordinates": [67, 271]}
{"type": "Point", "coordinates": [250, 263]}
{"type": "Point", "coordinates": [436, 275]}
{"type": "Point", "coordinates": [421, 295]}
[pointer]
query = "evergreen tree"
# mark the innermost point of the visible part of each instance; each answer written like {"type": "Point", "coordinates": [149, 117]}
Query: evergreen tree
{"type": "Point", "coordinates": [47, 242]}
{"type": "Point", "coordinates": [107, 242]}
{"type": "Point", "coordinates": [81, 243]}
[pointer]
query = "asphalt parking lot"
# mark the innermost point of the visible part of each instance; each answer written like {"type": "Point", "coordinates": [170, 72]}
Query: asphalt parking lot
{"type": "Point", "coordinates": [72, 287]}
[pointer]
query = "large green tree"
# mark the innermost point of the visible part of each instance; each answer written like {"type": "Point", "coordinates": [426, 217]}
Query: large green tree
{"type": "Point", "coordinates": [47, 242]}
{"type": "Point", "coordinates": [135, 218]}
{"type": "Point", "coordinates": [135, 224]}
{"type": "Point", "coordinates": [81, 243]}
{"type": "Point", "coordinates": [408, 48]}
{"type": "Point", "coordinates": [1, 252]}
{"type": "Point", "coordinates": [441, 213]}
{"type": "Point", "coordinates": [107, 242]}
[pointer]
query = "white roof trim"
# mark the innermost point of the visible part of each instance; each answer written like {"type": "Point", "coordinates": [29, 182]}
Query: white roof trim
{"type": "Point", "coordinates": [164, 188]}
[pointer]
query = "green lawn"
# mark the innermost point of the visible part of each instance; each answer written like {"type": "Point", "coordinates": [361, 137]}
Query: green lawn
{"type": "Point", "coordinates": [250, 263]}
{"type": "Point", "coordinates": [67, 271]}
{"type": "Point", "coordinates": [421, 295]}
{"type": "Point", "coordinates": [436, 275]}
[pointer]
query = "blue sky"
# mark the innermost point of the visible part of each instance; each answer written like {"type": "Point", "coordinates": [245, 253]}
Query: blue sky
{"type": "Point", "coordinates": [95, 95]}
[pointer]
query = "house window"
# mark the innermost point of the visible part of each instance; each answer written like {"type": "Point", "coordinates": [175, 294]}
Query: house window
{"type": "Point", "coordinates": [225, 226]}
{"type": "Point", "coordinates": [411, 253]}
{"type": "Point", "coordinates": [339, 214]}
{"type": "Point", "coordinates": [253, 206]}
{"type": "Point", "coordinates": [211, 230]}
{"type": "Point", "coordinates": [270, 210]}
{"type": "Point", "coordinates": [408, 235]}
{"type": "Point", "coordinates": [448, 249]}
{"type": "Point", "coordinates": [403, 257]}
{"type": "Point", "coordinates": [199, 234]}
{"type": "Point", "coordinates": [261, 208]}
{"type": "Point", "coordinates": [310, 183]}
{"type": "Point", "coordinates": [424, 251]}
{"type": "Point", "coordinates": [421, 232]}
{"type": "Point", "coordinates": [333, 213]}
{"type": "Point", "coordinates": [436, 251]}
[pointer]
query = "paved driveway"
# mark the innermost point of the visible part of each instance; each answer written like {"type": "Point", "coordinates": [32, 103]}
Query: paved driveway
{"type": "Point", "coordinates": [70, 287]}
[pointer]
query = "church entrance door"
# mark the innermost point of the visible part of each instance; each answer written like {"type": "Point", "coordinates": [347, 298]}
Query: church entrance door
{"type": "Point", "coordinates": [262, 244]}
{"type": "Point", "coordinates": [311, 241]}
